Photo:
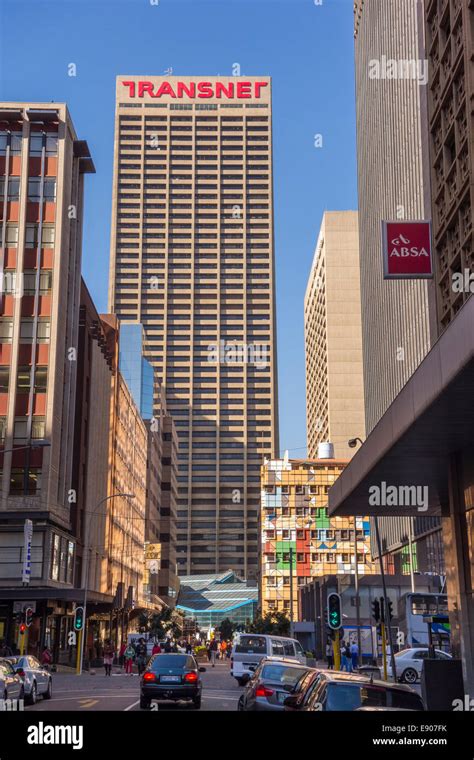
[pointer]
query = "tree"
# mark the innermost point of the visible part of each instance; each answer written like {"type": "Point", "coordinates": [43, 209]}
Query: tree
{"type": "Point", "coordinates": [161, 624]}
{"type": "Point", "coordinates": [275, 623]}
{"type": "Point", "coordinates": [226, 629]}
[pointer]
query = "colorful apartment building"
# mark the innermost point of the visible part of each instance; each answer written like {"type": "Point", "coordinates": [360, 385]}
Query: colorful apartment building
{"type": "Point", "coordinates": [299, 541]}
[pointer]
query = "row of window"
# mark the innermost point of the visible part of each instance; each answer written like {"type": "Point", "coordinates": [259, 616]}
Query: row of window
{"type": "Point", "coordinates": [24, 379]}
{"type": "Point", "coordinates": [26, 330]}
{"type": "Point", "coordinates": [31, 236]}
{"type": "Point", "coordinates": [301, 557]}
{"type": "Point", "coordinates": [38, 140]}
{"type": "Point", "coordinates": [34, 189]}
{"type": "Point", "coordinates": [297, 489]}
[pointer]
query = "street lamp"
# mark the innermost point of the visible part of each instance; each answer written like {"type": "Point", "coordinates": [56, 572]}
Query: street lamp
{"type": "Point", "coordinates": [86, 573]}
{"type": "Point", "coordinates": [353, 443]}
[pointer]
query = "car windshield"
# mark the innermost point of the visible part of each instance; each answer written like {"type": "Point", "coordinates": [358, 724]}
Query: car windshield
{"type": "Point", "coordinates": [251, 645]}
{"type": "Point", "coordinates": [169, 661]}
{"type": "Point", "coordinates": [286, 675]}
{"type": "Point", "coordinates": [352, 696]}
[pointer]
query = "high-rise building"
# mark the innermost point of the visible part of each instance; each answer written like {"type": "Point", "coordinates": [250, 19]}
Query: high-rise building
{"type": "Point", "coordinates": [192, 260]}
{"type": "Point", "coordinates": [398, 316]}
{"type": "Point", "coordinates": [42, 168]}
{"type": "Point", "coordinates": [299, 540]}
{"type": "Point", "coordinates": [333, 337]}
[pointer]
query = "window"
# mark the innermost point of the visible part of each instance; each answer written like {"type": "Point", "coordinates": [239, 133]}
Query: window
{"type": "Point", "coordinates": [26, 330]}
{"type": "Point", "coordinates": [55, 558]}
{"type": "Point", "coordinates": [33, 484]}
{"type": "Point", "coordinates": [15, 142]}
{"type": "Point", "coordinates": [3, 427]}
{"type": "Point", "coordinates": [11, 238]}
{"type": "Point", "coordinates": [47, 236]}
{"type": "Point", "coordinates": [277, 648]}
{"type": "Point", "coordinates": [4, 379]}
{"type": "Point", "coordinates": [38, 428]}
{"type": "Point", "coordinates": [50, 141]}
{"type": "Point", "coordinates": [6, 330]}
{"type": "Point", "coordinates": [13, 188]}
{"type": "Point", "coordinates": [45, 283]}
{"type": "Point", "coordinates": [34, 189]}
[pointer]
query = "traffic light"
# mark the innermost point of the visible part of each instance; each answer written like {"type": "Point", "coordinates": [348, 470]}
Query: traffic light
{"type": "Point", "coordinates": [22, 628]}
{"type": "Point", "coordinates": [382, 609]}
{"type": "Point", "coordinates": [334, 611]}
{"type": "Point", "coordinates": [28, 617]}
{"type": "Point", "coordinates": [376, 610]}
{"type": "Point", "coordinates": [79, 618]}
{"type": "Point", "coordinates": [390, 609]}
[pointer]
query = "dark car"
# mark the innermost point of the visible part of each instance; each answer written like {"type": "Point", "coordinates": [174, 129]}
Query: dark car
{"type": "Point", "coordinates": [334, 691]}
{"type": "Point", "coordinates": [301, 690]}
{"type": "Point", "coordinates": [171, 677]}
{"type": "Point", "coordinates": [273, 679]}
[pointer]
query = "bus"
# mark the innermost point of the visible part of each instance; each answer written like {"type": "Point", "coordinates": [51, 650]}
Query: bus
{"type": "Point", "coordinates": [413, 607]}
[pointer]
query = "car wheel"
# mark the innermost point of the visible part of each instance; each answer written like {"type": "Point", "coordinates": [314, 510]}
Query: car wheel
{"type": "Point", "coordinates": [145, 703]}
{"type": "Point", "coordinates": [197, 703]}
{"type": "Point", "coordinates": [49, 691]}
{"type": "Point", "coordinates": [409, 676]}
{"type": "Point", "coordinates": [33, 694]}
{"type": "Point", "coordinates": [240, 703]}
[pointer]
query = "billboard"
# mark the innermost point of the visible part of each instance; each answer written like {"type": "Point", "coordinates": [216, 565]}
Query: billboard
{"type": "Point", "coordinates": [407, 249]}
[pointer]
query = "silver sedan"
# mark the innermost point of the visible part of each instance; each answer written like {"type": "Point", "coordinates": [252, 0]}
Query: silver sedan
{"type": "Point", "coordinates": [37, 680]}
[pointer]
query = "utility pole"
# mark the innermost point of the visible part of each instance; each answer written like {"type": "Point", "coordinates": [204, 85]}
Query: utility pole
{"type": "Point", "coordinates": [386, 606]}
{"type": "Point", "coordinates": [357, 596]}
{"type": "Point", "coordinates": [291, 594]}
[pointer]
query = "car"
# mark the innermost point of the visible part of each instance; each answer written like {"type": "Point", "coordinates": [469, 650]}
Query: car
{"type": "Point", "coordinates": [301, 690]}
{"type": "Point", "coordinates": [249, 648]}
{"type": "Point", "coordinates": [409, 663]}
{"type": "Point", "coordinates": [36, 679]}
{"type": "Point", "coordinates": [270, 684]}
{"type": "Point", "coordinates": [171, 677]}
{"type": "Point", "coordinates": [336, 691]}
{"type": "Point", "coordinates": [11, 683]}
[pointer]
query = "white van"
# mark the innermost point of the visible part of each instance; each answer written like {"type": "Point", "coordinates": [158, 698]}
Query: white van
{"type": "Point", "coordinates": [249, 648]}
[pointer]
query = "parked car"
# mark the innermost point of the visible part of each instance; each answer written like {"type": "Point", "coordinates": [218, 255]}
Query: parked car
{"type": "Point", "coordinates": [409, 663]}
{"type": "Point", "coordinates": [171, 677]}
{"type": "Point", "coordinates": [36, 679]}
{"type": "Point", "coordinates": [270, 684]}
{"type": "Point", "coordinates": [11, 683]}
{"type": "Point", "coordinates": [302, 690]}
{"type": "Point", "coordinates": [249, 648]}
{"type": "Point", "coordinates": [334, 691]}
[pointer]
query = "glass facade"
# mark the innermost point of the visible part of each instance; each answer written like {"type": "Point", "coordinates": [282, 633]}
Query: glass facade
{"type": "Point", "coordinates": [137, 371]}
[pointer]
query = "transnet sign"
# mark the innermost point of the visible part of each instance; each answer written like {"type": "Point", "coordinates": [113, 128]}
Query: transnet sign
{"type": "Point", "coordinates": [407, 250]}
{"type": "Point", "coordinates": [192, 90]}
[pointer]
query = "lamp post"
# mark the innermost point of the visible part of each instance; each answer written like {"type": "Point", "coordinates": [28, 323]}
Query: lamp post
{"type": "Point", "coordinates": [352, 443]}
{"type": "Point", "coordinates": [86, 572]}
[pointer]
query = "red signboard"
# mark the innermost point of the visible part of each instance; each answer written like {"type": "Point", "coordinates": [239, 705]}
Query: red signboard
{"type": "Point", "coordinates": [407, 249]}
{"type": "Point", "coordinates": [239, 89]}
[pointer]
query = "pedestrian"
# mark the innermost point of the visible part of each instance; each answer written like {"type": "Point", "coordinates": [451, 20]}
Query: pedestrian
{"type": "Point", "coordinates": [354, 655]}
{"type": "Point", "coordinates": [156, 648]}
{"type": "Point", "coordinates": [141, 653]}
{"type": "Point", "coordinates": [342, 650]}
{"type": "Point", "coordinates": [330, 655]}
{"type": "Point", "coordinates": [208, 650]}
{"type": "Point", "coordinates": [347, 657]}
{"type": "Point", "coordinates": [109, 654]}
{"type": "Point", "coordinates": [223, 649]}
{"type": "Point", "coordinates": [129, 656]}
{"type": "Point", "coordinates": [5, 650]}
{"type": "Point", "coordinates": [46, 657]}
{"type": "Point", "coordinates": [189, 648]}
{"type": "Point", "coordinates": [168, 648]}
{"type": "Point", "coordinates": [122, 649]}
{"type": "Point", "coordinates": [214, 652]}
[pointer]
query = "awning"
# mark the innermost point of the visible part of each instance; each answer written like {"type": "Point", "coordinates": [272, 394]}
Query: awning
{"type": "Point", "coordinates": [432, 417]}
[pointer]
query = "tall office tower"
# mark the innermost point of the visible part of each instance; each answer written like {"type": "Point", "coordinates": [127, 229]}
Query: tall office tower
{"type": "Point", "coordinates": [333, 338]}
{"type": "Point", "coordinates": [398, 316]}
{"type": "Point", "coordinates": [192, 260]}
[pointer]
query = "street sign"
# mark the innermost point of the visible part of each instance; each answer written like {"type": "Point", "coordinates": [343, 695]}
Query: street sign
{"type": "Point", "coordinates": [28, 536]}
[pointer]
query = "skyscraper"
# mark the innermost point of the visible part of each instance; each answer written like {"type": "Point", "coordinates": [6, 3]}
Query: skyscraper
{"type": "Point", "coordinates": [333, 337]}
{"type": "Point", "coordinates": [192, 260]}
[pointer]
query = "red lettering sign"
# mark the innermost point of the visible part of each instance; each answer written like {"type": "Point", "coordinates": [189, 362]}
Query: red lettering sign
{"type": "Point", "coordinates": [407, 249]}
{"type": "Point", "coordinates": [192, 90]}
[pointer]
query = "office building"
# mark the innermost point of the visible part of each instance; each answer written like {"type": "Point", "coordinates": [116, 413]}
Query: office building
{"type": "Point", "coordinates": [192, 260]}
{"type": "Point", "coordinates": [333, 337]}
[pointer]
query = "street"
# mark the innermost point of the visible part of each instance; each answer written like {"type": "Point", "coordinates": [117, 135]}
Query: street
{"type": "Point", "coordinates": [121, 692]}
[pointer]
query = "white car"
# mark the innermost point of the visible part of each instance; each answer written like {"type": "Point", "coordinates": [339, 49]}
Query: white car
{"type": "Point", "coordinates": [36, 679]}
{"type": "Point", "coordinates": [409, 663]}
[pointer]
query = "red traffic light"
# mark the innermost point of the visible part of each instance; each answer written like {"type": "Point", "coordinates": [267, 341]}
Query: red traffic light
{"type": "Point", "coordinates": [22, 628]}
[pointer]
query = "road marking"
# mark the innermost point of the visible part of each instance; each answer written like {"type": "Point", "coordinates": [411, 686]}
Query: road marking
{"type": "Point", "coordinates": [86, 703]}
{"type": "Point", "coordinates": [132, 705]}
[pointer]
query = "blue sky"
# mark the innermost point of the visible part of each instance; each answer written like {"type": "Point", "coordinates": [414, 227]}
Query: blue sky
{"type": "Point", "coordinates": [306, 48]}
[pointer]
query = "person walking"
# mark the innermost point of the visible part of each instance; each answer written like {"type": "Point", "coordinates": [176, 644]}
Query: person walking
{"type": "Point", "coordinates": [189, 648]}
{"type": "Point", "coordinates": [46, 657]}
{"type": "Point", "coordinates": [343, 655]}
{"type": "Point", "coordinates": [109, 654]}
{"type": "Point", "coordinates": [354, 655]}
{"type": "Point", "coordinates": [208, 650]}
{"type": "Point", "coordinates": [330, 655]}
{"type": "Point", "coordinates": [5, 650]}
{"type": "Point", "coordinates": [141, 652]}
{"type": "Point", "coordinates": [347, 656]}
{"type": "Point", "coordinates": [156, 648]}
{"type": "Point", "coordinates": [168, 648]}
{"type": "Point", "coordinates": [122, 649]}
{"type": "Point", "coordinates": [129, 656]}
{"type": "Point", "coordinates": [223, 649]}
{"type": "Point", "coordinates": [214, 652]}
